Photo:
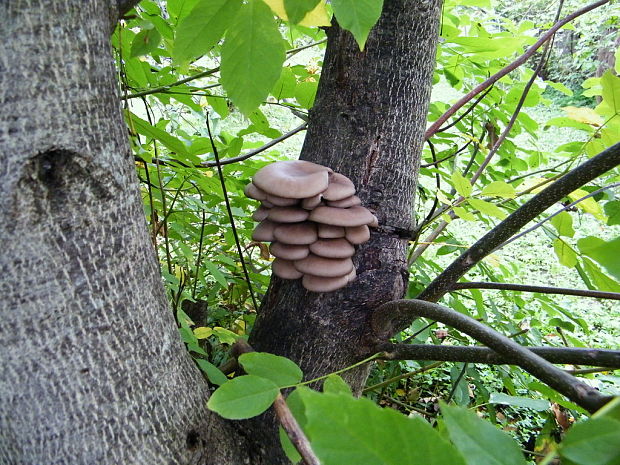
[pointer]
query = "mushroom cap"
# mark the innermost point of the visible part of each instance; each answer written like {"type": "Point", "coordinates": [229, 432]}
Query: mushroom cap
{"type": "Point", "coordinates": [326, 267]}
{"type": "Point", "coordinates": [354, 216]}
{"type": "Point", "coordinates": [296, 179]}
{"type": "Point", "coordinates": [312, 202]}
{"type": "Point", "coordinates": [332, 248]}
{"type": "Point", "coordinates": [327, 231]}
{"type": "Point", "coordinates": [347, 202]}
{"type": "Point", "coordinates": [289, 251]}
{"type": "Point", "coordinates": [281, 201]}
{"type": "Point", "coordinates": [260, 214]}
{"type": "Point", "coordinates": [264, 231]}
{"type": "Point", "coordinates": [322, 284]}
{"type": "Point", "coordinates": [288, 214]}
{"type": "Point", "coordinates": [296, 233]}
{"type": "Point", "coordinates": [357, 234]}
{"type": "Point", "coordinates": [285, 269]}
{"type": "Point", "coordinates": [267, 204]}
{"type": "Point", "coordinates": [374, 223]}
{"type": "Point", "coordinates": [254, 192]}
{"type": "Point", "coordinates": [340, 187]}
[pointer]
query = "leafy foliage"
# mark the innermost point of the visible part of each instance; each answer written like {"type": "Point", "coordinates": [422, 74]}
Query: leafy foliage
{"type": "Point", "coordinates": [251, 69]}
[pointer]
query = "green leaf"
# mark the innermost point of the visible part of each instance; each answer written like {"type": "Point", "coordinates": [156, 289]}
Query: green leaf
{"type": "Point", "coordinates": [560, 87]}
{"type": "Point", "coordinates": [499, 189]}
{"type": "Point", "coordinates": [215, 272]}
{"type": "Point", "coordinates": [464, 214]}
{"type": "Point", "coordinates": [144, 128]}
{"type": "Point", "coordinates": [203, 28]}
{"type": "Point", "coordinates": [145, 42]}
{"type": "Point", "coordinates": [526, 402]}
{"type": "Point", "coordinates": [566, 255]}
{"type": "Point", "coordinates": [252, 56]}
{"type": "Point", "coordinates": [296, 10]}
{"type": "Point", "coordinates": [213, 373]}
{"type": "Point", "coordinates": [607, 253]}
{"type": "Point", "coordinates": [593, 442]}
{"type": "Point", "coordinates": [243, 397]}
{"type": "Point", "coordinates": [280, 370]}
{"type": "Point", "coordinates": [588, 205]}
{"type": "Point", "coordinates": [610, 105]}
{"type": "Point", "coordinates": [487, 208]}
{"type": "Point", "coordinates": [600, 280]}
{"type": "Point", "coordinates": [358, 17]}
{"type": "Point", "coordinates": [563, 223]}
{"type": "Point", "coordinates": [480, 442]}
{"type": "Point", "coordinates": [334, 384]}
{"type": "Point", "coordinates": [219, 104]}
{"type": "Point", "coordinates": [462, 185]}
{"type": "Point", "coordinates": [344, 430]}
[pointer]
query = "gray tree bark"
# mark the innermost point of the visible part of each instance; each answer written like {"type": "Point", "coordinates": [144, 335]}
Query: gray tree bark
{"type": "Point", "coordinates": [92, 367]}
{"type": "Point", "coordinates": [367, 122]}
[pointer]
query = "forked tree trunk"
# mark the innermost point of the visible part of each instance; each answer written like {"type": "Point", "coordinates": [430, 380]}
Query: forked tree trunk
{"type": "Point", "coordinates": [91, 366]}
{"type": "Point", "coordinates": [368, 123]}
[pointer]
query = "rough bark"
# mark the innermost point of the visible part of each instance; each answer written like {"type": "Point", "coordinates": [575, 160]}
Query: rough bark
{"type": "Point", "coordinates": [92, 367]}
{"type": "Point", "coordinates": [367, 123]}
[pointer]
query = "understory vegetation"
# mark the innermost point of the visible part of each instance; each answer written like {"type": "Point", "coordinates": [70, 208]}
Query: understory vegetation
{"type": "Point", "coordinates": [187, 102]}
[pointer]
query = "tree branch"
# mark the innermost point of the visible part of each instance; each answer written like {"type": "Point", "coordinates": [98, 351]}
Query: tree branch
{"type": "Point", "coordinates": [541, 289]}
{"type": "Point", "coordinates": [393, 316]}
{"type": "Point", "coordinates": [511, 67]}
{"type": "Point", "coordinates": [474, 354]}
{"type": "Point", "coordinates": [571, 181]}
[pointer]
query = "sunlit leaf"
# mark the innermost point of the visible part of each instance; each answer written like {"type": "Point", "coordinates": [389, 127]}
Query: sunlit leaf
{"type": "Point", "coordinates": [280, 370]}
{"type": "Point", "coordinates": [252, 56]}
{"type": "Point", "coordinates": [461, 184]}
{"type": "Point", "coordinates": [358, 17]}
{"type": "Point", "coordinates": [499, 189]}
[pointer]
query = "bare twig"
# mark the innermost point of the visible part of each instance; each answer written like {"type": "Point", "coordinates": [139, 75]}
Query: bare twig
{"type": "Point", "coordinates": [511, 67]}
{"type": "Point", "coordinates": [574, 179]}
{"type": "Point", "coordinates": [403, 376]}
{"type": "Point", "coordinates": [541, 289]}
{"type": "Point", "coordinates": [390, 317]}
{"type": "Point", "coordinates": [475, 354]}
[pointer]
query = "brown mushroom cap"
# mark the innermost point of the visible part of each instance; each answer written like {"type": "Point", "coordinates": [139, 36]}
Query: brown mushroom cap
{"type": "Point", "coordinates": [354, 216]}
{"type": "Point", "coordinates": [358, 234]}
{"type": "Point", "coordinates": [332, 248]}
{"type": "Point", "coordinates": [267, 204]}
{"type": "Point", "coordinates": [254, 192]}
{"type": "Point", "coordinates": [285, 269]}
{"type": "Point", "coordinates": [374, 223]}
{"type": "Point", "coordinates": [352, 201]}
{"type": "Point", "coordinates": [322, 284]}
{"type": "Point", "coordinates": [289, 251]}
{"type": "Point", "coordinates": [296, 179]}
{"type": "Point", "coordinates": [296, 233]}
{"type": "Point", "coordinates": [260, 214]}
{"type": "Point", "coordinates": [288, 214]}
{"type": "Point", "coordinates": [281, 201]}
{"type": "Point", "coordinates": [327, 231]}
{"type": "Point", "coordinates": [264, 231]}
{"type": "Point", "coordinates": [312, 202]}
{"type": "Point", "coordinates": [340, 187]}
{"type": "Point", "coordinates": [326, 267]}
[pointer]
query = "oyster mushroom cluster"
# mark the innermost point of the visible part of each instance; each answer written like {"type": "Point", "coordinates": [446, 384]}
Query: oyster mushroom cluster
{"type": "Point", "coordinates": [313, 219]}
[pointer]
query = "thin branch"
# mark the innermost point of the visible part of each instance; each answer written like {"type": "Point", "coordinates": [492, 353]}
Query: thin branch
{"type": "Point", "coordinates": [203, 74]}
{"type": "Point", "coordinates": [511, 67]}
{"type": "Point", "coordinates": [294, 431]}
{"type": "Point", "coordinates": [251, 153]}
{"type": "Point", "coordinates": [390, 317]}
{"type": "Point", "coordinates": [572, 204]}
{"type": "Point", "coordinates": [541, 289]}
{"type": "Point", "coordinates": [230, 215]}
{"type": "Point", "coordinates": [475, 354]}
{"type": "Point", "coordinates": [469, 110]}
{"type": "Point", "coordinates": [403, 376]}
{"type": "Point", "coordinates": [574, 179]}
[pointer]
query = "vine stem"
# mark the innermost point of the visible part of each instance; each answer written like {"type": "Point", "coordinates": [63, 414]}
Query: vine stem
{"type": "Point", "coordinates": [541, 289]}
{"type": "Point", "coordinates": [230, 214]}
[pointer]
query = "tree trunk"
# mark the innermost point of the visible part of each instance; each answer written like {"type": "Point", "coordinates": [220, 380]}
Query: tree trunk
{"type": "Point", "coordinates": [93, 370]}
{"type": "Point", "coordinates": [92, 367]}
{"type": "Point", "coordinates": [367, 122]}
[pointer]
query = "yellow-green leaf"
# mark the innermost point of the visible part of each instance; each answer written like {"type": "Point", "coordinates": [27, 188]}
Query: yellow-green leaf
{"type": "Point", "coordinates": [566, 255]}
{"type": "Point", "coordinates": [487, 208]}
{"type": "Point", "coordinates": [462, 185]}
{"type": "Point", "coordinates": [499, 189]}
{"type": "Point", "coordinates": [588, 205]}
